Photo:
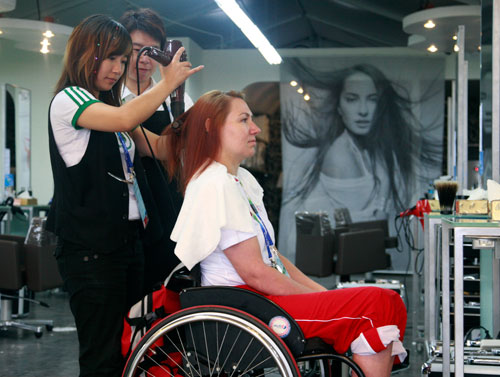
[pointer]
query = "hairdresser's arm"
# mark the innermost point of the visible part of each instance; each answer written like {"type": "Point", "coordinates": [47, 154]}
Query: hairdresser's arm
{"type": "Point", "coordinates": [247, 261]}
{"type": "Point", "coordinates": [154, 140]}
{"type": "Point", "coordinates": [102, 117]}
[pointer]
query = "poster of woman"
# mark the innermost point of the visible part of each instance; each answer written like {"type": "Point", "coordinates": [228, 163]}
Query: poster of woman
{"type": "Point", "coordinates": [369, 139]}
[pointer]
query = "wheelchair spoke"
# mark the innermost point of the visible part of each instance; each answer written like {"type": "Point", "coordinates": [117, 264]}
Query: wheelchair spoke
{"type": "Point", "coordinates": [194, 350]}
{"type": "Point", "coordinates": [230, 350]}
{"type": "Point", "coordinates": [235, 367]}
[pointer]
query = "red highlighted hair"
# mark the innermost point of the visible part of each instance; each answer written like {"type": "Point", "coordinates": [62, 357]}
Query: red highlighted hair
{"type": "Point", "coordinates": [194, 137]}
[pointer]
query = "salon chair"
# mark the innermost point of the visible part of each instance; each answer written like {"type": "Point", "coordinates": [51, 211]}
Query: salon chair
{"type": "Point", "coordinates": [360, 247]}
{"type": "Point", "coordinates": [314, 243]}
{"type": "Point", "coordinates": [23, 265]}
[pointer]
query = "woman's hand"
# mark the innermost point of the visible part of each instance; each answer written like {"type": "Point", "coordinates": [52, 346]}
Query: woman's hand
{"type": "Point", "coordinates": [177, 72]}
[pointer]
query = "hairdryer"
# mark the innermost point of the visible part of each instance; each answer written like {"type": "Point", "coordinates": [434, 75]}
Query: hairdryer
{"type": "Point", "coordinates": [164, 58]}
{"type": "Point", "coordinates": [422, 207]}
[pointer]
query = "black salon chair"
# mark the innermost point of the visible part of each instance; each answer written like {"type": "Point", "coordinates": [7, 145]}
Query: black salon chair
{"type": "Point", "coordinates": [25, 265]}
{"type": "Point", "coordinates": [314, 243]}
{"type": "Point", "coordinates": [360, 247]}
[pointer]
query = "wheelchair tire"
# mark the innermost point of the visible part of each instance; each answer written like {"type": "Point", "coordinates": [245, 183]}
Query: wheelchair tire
{"type": "Point", "coordinates": [210, 341]}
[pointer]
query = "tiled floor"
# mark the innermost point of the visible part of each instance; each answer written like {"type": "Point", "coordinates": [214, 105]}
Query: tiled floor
{"type": "Point", "coordinates": [55, 353]}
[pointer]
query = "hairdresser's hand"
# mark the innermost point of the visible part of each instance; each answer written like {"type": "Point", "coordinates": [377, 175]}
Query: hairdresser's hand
{"type": "Point", "coordinates": [177, 72]}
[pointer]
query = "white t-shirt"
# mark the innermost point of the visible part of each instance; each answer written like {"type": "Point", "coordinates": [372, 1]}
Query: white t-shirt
{"type": "Point", "coordinates": [72, 140]}
{"type": "Point", "coordinates": [216, 215]}
{"type": "Point", "coordinates": [127, 95]}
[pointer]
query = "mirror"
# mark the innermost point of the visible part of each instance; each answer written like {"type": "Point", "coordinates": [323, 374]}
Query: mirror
{"type": "Point", "coordinates": [15, 132]}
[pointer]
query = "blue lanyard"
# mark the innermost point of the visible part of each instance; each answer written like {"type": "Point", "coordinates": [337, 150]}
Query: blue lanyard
{"type": "Point", "coordinates": [267, 238]}
{"type": "Point", "coordinates": [128, 160]}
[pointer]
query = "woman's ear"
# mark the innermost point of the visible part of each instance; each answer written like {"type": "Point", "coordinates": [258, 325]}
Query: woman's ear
{"type": "Point", "coordinates": [208, 124]}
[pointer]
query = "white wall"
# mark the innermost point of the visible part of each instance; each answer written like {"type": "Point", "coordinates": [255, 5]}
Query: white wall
{"type": "Point", "coordinates": [224, 70]}
{"type": "Point", "coordinates": [38, 73]}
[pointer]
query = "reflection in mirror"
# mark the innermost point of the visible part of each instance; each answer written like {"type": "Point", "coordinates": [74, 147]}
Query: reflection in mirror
{"type": "Point", "coordinates": [485, 88]}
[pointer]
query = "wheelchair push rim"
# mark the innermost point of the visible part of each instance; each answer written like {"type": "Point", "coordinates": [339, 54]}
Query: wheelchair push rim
{"type": "Point", "coordinates": [212, 341]}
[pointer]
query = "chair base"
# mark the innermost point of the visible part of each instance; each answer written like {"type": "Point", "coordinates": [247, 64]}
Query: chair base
{"type": "Point", "coordinates": [38, 330]}
{"type": "Point", "coordinates": [35, 325]}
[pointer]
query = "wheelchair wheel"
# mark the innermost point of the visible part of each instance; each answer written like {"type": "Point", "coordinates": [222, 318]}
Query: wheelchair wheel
{"type": "Point", "coordinates": [209, 341]}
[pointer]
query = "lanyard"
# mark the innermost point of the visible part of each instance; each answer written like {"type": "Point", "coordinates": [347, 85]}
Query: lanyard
{"type": "Point", "coordinates": [128, 160]}
{"type": "Point", "coordinates": [255, 214]}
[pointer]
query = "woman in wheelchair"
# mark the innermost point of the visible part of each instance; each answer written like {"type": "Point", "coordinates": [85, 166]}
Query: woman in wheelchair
{"type": "Point", "coordinates": [223, 225]}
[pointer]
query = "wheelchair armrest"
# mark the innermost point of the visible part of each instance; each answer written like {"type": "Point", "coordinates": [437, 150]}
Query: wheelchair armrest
{"type": "Point", "coordinates": [246, 301]}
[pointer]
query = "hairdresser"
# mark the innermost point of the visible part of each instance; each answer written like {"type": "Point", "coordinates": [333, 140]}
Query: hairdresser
{"type": "Point", "coordinates": [99, 206]}
{"type": "Point", "coordinates": [147, 29]}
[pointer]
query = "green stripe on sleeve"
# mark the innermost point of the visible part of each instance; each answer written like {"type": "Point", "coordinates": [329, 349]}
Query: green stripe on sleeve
{"type": "Point", "coordinates": [71, 93]}
{"type": "Point", "coordinates": [80, 110]}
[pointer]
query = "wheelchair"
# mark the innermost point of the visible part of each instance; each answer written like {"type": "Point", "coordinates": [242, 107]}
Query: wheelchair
{"type": "Point", "coordinates": [232, 332]}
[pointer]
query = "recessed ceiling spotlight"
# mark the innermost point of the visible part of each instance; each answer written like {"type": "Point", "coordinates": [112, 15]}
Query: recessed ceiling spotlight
{"type": "Point", "coordinates": [48, 34]}
{"type": "Point", "coordinates": [455, 37]}
{"type": "Point", "coordinates": [432, 48]}
{"type": "Point", "coordinates": [456, 48]}
{"type": "Point", "coordinates": [307, 97]}
{"type": "Point", "coordinates": [479, 48]}
{"type": "Point", "coordinates": [300, 90]}
{"type": "Point", "coordinates": [293, 83]}
{"type": "Point", "coordinates": [1, 32]}
{"type": "Point", "coordinates": [429, 24]}
{"type": "Point", "coordinates": [45, 46]}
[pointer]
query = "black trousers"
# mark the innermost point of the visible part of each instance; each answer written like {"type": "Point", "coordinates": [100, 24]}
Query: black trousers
{"type": "Point", "coordinates": [102, 287]}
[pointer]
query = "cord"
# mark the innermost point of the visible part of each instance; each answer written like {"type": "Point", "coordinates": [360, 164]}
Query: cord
{"type": "Point", "coordinates": [469, 332]}
{"type": "Point", "coordinates": [160, 169]}
{"type": "Point", "coordinates": [404, 234]}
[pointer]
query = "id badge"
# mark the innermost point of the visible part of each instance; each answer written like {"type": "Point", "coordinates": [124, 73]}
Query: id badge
{"type": "Point", "coordinates": [276, 261]}
{"type": "Point", "coordinates": [140, 204]}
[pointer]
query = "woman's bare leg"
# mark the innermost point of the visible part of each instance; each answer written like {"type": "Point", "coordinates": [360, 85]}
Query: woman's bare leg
{"type": "Point", "coordinates": [378, 365]}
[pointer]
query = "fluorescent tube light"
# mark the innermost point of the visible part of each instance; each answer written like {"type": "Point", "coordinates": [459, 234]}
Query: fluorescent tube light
{"type": "Point", "coordinates": [251, 31]}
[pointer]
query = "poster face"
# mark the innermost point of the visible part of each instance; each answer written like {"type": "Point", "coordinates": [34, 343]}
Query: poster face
{"type": "Point", "coordinates": [369, 138]}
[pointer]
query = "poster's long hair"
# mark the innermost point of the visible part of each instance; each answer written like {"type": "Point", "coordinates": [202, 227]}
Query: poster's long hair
{"type": "Point", "coordinates": [395, 138]}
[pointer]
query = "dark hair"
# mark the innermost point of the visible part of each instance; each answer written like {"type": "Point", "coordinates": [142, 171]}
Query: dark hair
{"type": "Point", "coordinates": [193, 146]}
{"type": "Point", "coordinates": [146, 20]}
{"type": "Point", "coordinates": [94, 39]}
{"type": "Point", "coordinates": [391, 139]}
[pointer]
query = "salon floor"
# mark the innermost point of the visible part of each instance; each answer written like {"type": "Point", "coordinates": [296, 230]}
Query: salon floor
{"type": "Point", "coordinates": [55, 353]}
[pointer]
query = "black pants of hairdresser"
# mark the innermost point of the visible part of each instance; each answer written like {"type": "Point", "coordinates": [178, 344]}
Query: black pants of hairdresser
{"type": "Point", "coordinates": [102, 287]}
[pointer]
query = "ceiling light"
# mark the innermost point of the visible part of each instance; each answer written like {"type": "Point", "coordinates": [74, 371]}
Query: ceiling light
{"type": "Point", "coordinates": [432, 48]}
{"type": "Point", "coordinates": [429, 25]}
{"type": "Point", "coordinates": [251, 31]}
{"type": "Point", "coordinates": [27, 34]}
{"type": "Point", "coordinates": [307, 97]}
{"type": "Point", "coordinates": [293, 83]}
{"type": "Point", "coordinates": [300, 90]}
{"type": "Point", "coordinates": [455, 37]}
{"type": "Point", "coordinates": [45, 46]}
{"type": "Point", "coordinates": [1, 32]}
{"type": "Point", "coordinates": [446, 19]}
{"type": "Point", "coordinates": [456, 48]}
